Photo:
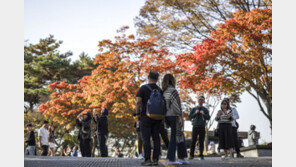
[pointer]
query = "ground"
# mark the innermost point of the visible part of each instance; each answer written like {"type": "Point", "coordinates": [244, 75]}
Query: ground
{"type": "Point", "coordinates": [38, 161]}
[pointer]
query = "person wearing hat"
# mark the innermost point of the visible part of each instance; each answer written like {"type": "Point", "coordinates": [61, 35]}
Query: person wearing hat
{"type": "Point", "coordinates": [83, 122]}
{"type": "Point", "coordinates": [30, 141]}
{"type": "Point", "coordinates": [43, 135]}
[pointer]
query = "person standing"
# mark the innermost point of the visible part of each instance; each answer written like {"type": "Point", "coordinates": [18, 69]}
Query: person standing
{"type": "Point", "coordinates": [234, 130]}
{"type": "Point", "coordinates": [51, 141]}
{"type": "Point", "coordinates": [149, 127]}
{"type": "Point", "coordinates": [225, 118]}
{"type": "Point", "coordinates": [253, 136]}
{"type": "Point", "coordinates": [174, 117]}
{"type": "Point", "coordinates": [30, 141]}
{"type": "Point", "coordinates": [199, 116]}
{"type": "Point", "coordinates": [84, 136]}
{"type": "Point", "coordinates": [43, 138]}
{"type": "Point", "coordinates": [102, 129]}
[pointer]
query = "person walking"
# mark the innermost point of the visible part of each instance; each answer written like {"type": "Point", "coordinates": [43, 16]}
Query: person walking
{"type": "Point", "coordinates": [225, 118]}
{"type": "Point", "coordinates": [199, 116]}
{"type": "Point", "coordinates": [148, 127]}
{"type": "Point", "coordinates": [174, 117]}
{"type": "Point", "coordinates": [51, 141]}
{"type": "Point", "coordinates": [83, 122]}
{"type": "Point", "coordinates": [43, 135]}
{"type": "Point", "coordinates": [30, 141]}
{"type": "Point", "coordinates": [235, 126]}
{"type": "Point", "coordinates": [102, 129]}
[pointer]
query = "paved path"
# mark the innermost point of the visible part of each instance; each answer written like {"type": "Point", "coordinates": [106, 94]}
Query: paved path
{"type": "Point", "coordinates": [37, 161]}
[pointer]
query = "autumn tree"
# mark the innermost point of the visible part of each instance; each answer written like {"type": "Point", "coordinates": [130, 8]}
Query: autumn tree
{"type": "Point", "coordinates": [44, 64]}
{"type": "Point", "coordinates": [122, 66]}
{"type": "Point", "coordinates": [237, 58]}
{"type": "Point", "coordinates": [179, 24]}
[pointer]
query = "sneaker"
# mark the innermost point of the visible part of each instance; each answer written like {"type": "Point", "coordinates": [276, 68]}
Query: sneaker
{"type": "Point", "coordinates": [229, 158]}
{"type": "Point", "coordinates": [174, 163]}
{"type": "Point", "coordinates": [201, 157]}
{"type": "Point", "coordinates": [140, 156]}
{"type": "Point", "coordinates": [239, 156]}
{"type": "Point", "coordinates": [146, 163]}
{"type": "Point", "coordinates": [223, 157]}
{"type": "Point", "coordinates": [154, 162]}
{"type": "Point", "coordinates": [183, 162]}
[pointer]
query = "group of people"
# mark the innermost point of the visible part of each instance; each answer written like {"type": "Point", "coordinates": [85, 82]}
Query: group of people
{"type": "Point", "coordinates": [46, 140]}
{"type": "Point", "coordinates": [148, 128]}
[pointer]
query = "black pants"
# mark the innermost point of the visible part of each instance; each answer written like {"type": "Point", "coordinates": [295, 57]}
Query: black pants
{"type": "Point", "coordinates": [85, 147]}
{"type": "Point", "coordinates": [102, 144]}
{"type": "Point", "coordinates": [150, 127]}
{"type": "Point", "coordinates": [44, 150]}
{"type": "Point", "coordinates": [201, 132]}
{"type": "Point", "coordinates": [140, 142]}
{"type": "Point", "coordinates": [235, 140]}
{"type": "Point", "coordinates": [164, 135]}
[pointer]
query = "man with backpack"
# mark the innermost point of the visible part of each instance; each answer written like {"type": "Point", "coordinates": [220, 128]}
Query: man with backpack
{"type": "Point", "coordinates": [83, 122]}
{"type": "Point", "coordinates": [150, 110]}
{"type": "Point", "coordinates": [199, 115]}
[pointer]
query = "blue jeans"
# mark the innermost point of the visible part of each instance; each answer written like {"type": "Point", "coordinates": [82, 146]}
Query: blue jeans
{"type": "Point", "coordinates": [30, 150]}
{"type": "Point", "coordinates": [173, 145]}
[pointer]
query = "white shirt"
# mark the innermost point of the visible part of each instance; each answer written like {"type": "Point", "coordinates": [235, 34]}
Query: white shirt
{"type": "Point", "coordinates": [44, 135]}
{"type": "Point", "coordinates": [235, 116]}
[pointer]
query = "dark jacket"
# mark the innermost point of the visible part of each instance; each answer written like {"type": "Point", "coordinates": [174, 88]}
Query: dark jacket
{"type": "Point", "coordinates": [84, 128]}
{"type": "Point", "coordinates": [30, 140]}
{"type": "Point", "coordinates": [199, 119]}
{"type": "Point", "coordinates": [102, 123]}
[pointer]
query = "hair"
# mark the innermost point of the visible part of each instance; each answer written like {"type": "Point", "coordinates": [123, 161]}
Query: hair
{"type": "Point", "coordinates": [168, 80]}
{"type": "Point", "coordinates": [227, 102]}
{"type": "Point", "coordinates": [153, 75]}
{"type": "Point", "coordinates": [201, 96]}
{"type": "Point", "coordinates": [253, 127]}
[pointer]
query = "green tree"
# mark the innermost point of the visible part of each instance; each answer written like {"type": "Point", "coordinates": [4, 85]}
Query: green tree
{"type": "Point", "coordinates": [180, 24]}
{"type": "Point", "coordinates": [44, 64]}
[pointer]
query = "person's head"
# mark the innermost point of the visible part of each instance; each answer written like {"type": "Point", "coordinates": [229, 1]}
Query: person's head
{"type": "Point", "coordinates": [104, 112]}
{"type": "Point", "coordinates": [201, 100]}
{"type": "Point", "coordinates": [168, 80]}
{"type": "Point", "coordinates": [29, 127]}
{"type": "Point", "coordinates": [227, 99]}
{"type": "Point", "coordinates": [50, 128]}
{"type": "Point", "coordinates": [86, 115]}
{"type": "Point", "coordinates": [45, 124]}
{"type": "Point", "coordinates": [252, 127]}
{"type": "Point", "coordinates": [153, 76]}
{"type": "Point", "coordinates": [225, 105]}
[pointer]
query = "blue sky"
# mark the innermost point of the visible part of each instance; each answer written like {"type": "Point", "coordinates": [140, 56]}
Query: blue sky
{"type": "Point", "coordinates": [81, 24]}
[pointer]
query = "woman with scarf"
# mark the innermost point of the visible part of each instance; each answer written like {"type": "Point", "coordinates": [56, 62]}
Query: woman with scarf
{"type": "Point", "coordinates": [174, 118]}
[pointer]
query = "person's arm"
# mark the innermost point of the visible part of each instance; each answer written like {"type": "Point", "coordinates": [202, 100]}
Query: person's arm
{"type": "Point", "coordinates": [218, 115]}
{"type": "Point", "coordinates": [40, 134]}
{"type": "Point", "coordinates": [235, 114]}
{"type": "Point", "coordinates": [138, 106]}
{"type": "Point", "coordinates": [192, 114]}
{"type": "Point", "coordinates": [206, 114]}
